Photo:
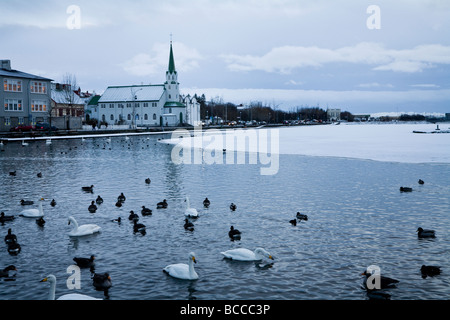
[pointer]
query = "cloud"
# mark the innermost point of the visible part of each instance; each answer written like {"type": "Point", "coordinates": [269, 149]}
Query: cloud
{"type": "Point", "coordinates": [374, 85]}
{"type": "Point", "coordinates": [285, 59]}
{"type": "Point", "coordinates": [145, 64]}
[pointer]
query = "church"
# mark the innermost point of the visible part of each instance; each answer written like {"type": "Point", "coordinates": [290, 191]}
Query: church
{"type": "Point", "coordinates": [144, 106]}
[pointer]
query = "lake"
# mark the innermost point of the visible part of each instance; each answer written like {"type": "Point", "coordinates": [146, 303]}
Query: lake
{"type": "Point", "coordinates": [357, 217]}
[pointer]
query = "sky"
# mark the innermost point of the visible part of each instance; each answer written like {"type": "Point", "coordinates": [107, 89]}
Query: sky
{"type": "Point", "coordinates": [357, 55]}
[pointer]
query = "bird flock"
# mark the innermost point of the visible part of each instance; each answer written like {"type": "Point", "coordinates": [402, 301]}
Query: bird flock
{"type": "Point", "coordinates": [103, 282]}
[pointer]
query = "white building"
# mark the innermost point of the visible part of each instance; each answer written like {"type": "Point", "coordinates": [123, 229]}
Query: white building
{"type": "Point", "coordinates": [149, 105]}
{"type": "Point", "coordinates": [334, 114]}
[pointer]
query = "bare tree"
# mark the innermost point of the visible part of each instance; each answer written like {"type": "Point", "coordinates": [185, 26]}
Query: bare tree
{"type": "Point", "coordinates": [69, 85]}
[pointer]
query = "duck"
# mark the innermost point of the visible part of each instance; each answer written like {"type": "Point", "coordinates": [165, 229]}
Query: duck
{"type": "Point", "coordinates": [40, 222]}
{"type": "Point", "coordinates": [385, 282]}
{"type": "Point", "coordinates": [85, 262]}
{"type": "Point", "coordinates": [118, 220]}
{"type": "Point", "coordinates": [148, 181]}
{"type": "Point", "coordinates": [301, 216]}
{"type": "Point", "coordinates": [133, 216]}
{"type": "Point", "coordinates": [39, 175]}
{"type": "Point", "coordinates": [421, 181]}
{"type": "Point", "coordinates": [92, 208]}
{"type": "Point", "coordinates": [190, 212]}
{"type": "Point", "coordinates": [33, 213]}
{"type": "Point", "coordinates": [121, 197]}
{"type": "Point", "coordinates": [26, 202]}
{"type": "Point", "coordinates": [99, 200]}
{"type": "Point", "coordinates": [243, 254]}
{"type": "Point", "coordinates": [430, 271]}
{"type": "Point", "coordinates": [183, 271]}
{"type": "Point", "coordinates": [118, 204]}
{"type": "Point", "coordinates": [14, 248]}
{"type": "Point", "coordinates": [138, 227]}
{"type": "Point", "coordinates": [5, 272]}
{"type": "Point", "coordinates": [293, 222]}
{"type": "Point", "coordinates": [424, 233]}
{"type": "Point", "coordinates": [10, 237]}
{"type": "Point", "coordinates": [13, 173]}
{"type": "Point", "coordinates": [146, 211]}
{"type": "Point", "coordinates": [206, 203]}
{"type": "Point", "coordinates": [88, 189]}
{"type": "Point", "coordinates": [406, 189]}
{"type": "Point", "coordinates": [4, 218]}
{"type": "Point", "coordinates": [162, 205]}
{"type": "Point", "coordinates": [53, 203]}
{"type": "Point", "coordinates": [188, 225]}
{"type": "Point", "coordinates": [233, 207]}
{"type": "Point", "coordinates": [83, 230]}
{"type": "Point", "coordinates": [102, 281]}
{"type": "Point", "coordinates": [234, 233]}
{"type": "Point", "coordinates": [71, 296]}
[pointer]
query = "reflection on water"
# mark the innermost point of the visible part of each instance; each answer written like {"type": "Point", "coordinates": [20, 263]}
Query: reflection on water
{"type": "Point", "coordinates": [356, 218]}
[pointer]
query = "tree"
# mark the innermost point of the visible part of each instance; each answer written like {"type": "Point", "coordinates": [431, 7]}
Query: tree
{"type": "Point", "coordinates": [69, 84]}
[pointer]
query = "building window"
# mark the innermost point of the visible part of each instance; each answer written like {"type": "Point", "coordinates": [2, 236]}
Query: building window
{"type": "Point", "coordinates": [13, 105]}
{"type": "Point", "coordinates": [128, 105]}
{"type": "Point", "coordinates": [170, 96]}
{"type": "Point", "coordinates": [154, 104]}
{"type": "Point", "coordinates": [103, 106]}
{"type": "Point", "coordinates": [111, 105]}
{"type": "Point", "coordinates": [38, 87]}
{"type": "Point", "coordinates": [129, 117]}
{"type": "Point", "coordinates": [145, 116]}
{"type": "Point", "coordinates": [103, 118]}
{"type": "Point", "coordinates": [145, 105]}
{"type": "Point", "coordinates": [112, 117]}
{"type": "Point", "coordinates": [154, 116]}
{"type": "Point", "coordinates": [7, 121]}
{"type": "Point", "coordinates": [21, 120]}
{"type": "Point", "coordinates": [38, 106]}
{"type": "Point", "coordinates": [12, 85]}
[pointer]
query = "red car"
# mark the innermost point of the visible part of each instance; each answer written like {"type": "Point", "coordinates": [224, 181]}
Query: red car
{"type": "Point", "coordinates": [22, 128]}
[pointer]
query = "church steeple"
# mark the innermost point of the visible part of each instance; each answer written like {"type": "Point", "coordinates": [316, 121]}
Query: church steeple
{"type": "Point", "coordinates": [171, 60]}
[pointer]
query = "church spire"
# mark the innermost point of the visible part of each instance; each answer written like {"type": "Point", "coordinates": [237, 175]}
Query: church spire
{"type": "Point", "coordinates": [171, 60]}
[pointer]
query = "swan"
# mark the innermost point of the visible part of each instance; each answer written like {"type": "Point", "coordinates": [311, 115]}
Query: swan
{"type": "Point", "coordinates": [33, 213]}
{"type": "Point", "coordinates": [83, 230]}
{"type": "Point", "coordinates": [190, 212]}
{"type": "Point", "coordinates": [71, 296]}
{"type": "Point", "coordinates": [242, 254]}
{"type": "Point", "coordinates": [183, 271]}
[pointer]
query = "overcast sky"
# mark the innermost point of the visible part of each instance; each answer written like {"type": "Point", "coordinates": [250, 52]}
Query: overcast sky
{"type": "Point", "coordinates": [357, 55]}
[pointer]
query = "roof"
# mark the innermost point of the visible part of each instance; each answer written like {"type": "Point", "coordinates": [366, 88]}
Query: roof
{"type": "Point", "coordinates": [60, 97]}
{"type": "Point", "coordinates": [173, 104]}
{"type": "Point", "coordinates": [20, 74]}
{"type": "Point", "coordinates": [125, 93]}
{"type": "Point", "coordinates": [94, 100]}
{"type": "Point", "coordinates": [171, 61]}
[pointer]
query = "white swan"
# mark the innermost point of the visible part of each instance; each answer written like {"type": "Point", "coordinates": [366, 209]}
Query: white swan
{"type": "Point", "coordinates": [71, 296]}
{"type": "Point", "coordinates": [183, 271]}
{"type": "Point", "coordinates": [33, 213]}
{"type": "Point", "coordinates": [242, 254]}
{"type": "Point", "coordinates": [190, 212]}
{"type": "Point", "coordinates": [83, 230]}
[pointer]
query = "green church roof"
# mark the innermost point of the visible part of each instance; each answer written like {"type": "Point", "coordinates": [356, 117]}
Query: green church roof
{"type": "Point", "coordinates": [171, 61]}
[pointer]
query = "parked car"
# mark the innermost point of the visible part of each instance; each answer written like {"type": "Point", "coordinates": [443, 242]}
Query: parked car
{"type": "Point", "coordinates": [45, 127]}
{"type": "Point", "coordinates": [21, 128]}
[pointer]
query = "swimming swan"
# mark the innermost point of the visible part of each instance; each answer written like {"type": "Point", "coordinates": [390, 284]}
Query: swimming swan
{"type": "Point", "coordinates": [183, 271]}
{"type": "Point", "coordinates": [190, 212]}
{"type": "Point", "coordinates": [242, 254]}
{"type": "Point", "coordinates": [71, 296]}
{"type": "Point", "coordinates": [83, 230]}
{"type": "Point", "coordinates": [33, 213]}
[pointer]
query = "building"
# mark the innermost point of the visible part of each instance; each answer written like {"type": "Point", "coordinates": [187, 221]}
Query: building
{"type": "Point", "coordinates": [447, 116]}
{"type": "Point", "coordinates": [334, 114]}
{"type": "Point", "coordinates": [26, 97]}
{"type": "Point", "coordinates": [67, 108]}
{"type": "Point", "coordinates": [149, 105]}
